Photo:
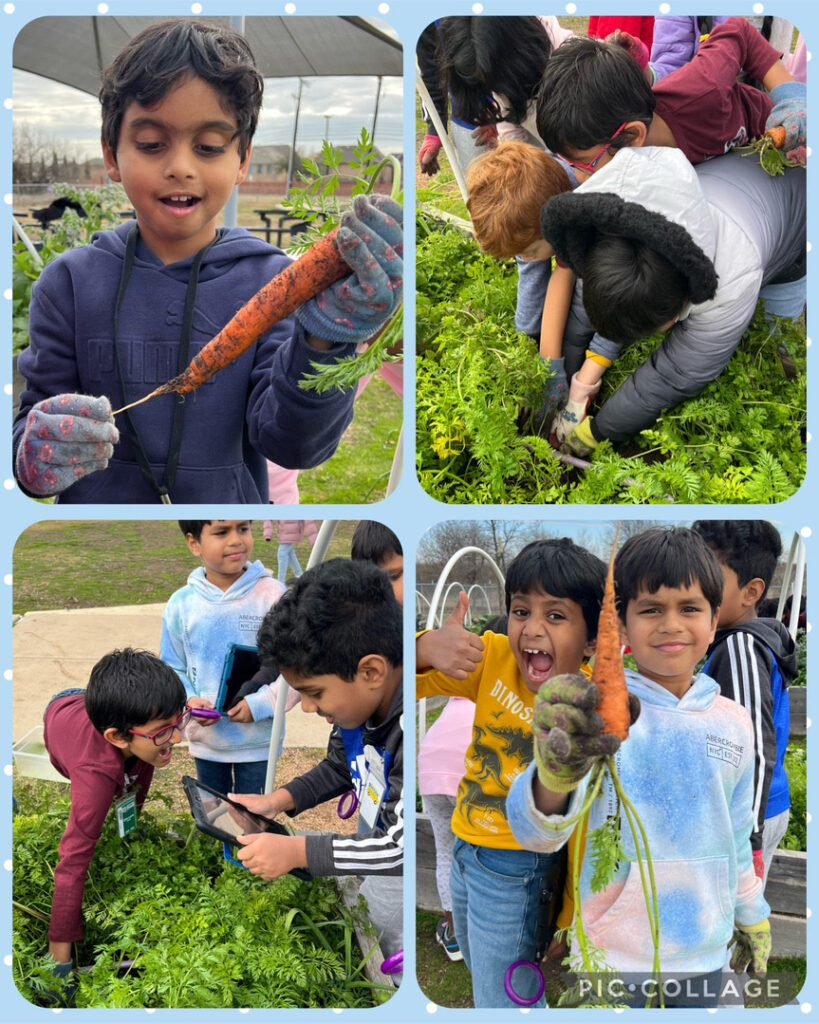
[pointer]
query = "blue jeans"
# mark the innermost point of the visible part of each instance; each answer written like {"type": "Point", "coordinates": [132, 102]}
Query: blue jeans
{"type": "Point", "coordinates": [494, 906]}
{"type": "Point", "coordinates": [224, 777]}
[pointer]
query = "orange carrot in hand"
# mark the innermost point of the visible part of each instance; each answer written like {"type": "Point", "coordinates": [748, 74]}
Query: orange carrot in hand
{"type": "Point", "coordinates": [305, 278]}
{"type": "Point", "coordinates": [777, 137]}
{"type": "Point", "coordinates": [316, 270]}
{"type": "Point", "coordinates": [609, 674]}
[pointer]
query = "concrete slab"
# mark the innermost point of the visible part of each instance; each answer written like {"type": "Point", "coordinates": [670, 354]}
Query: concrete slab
{"type": "Point", "coordinates": [54, 650]}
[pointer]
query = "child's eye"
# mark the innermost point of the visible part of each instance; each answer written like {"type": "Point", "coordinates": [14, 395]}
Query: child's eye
{"type": "Point", "coordinates": [148, 147]}
{"type": "Point", "coordinates": [210, 150]}
{"type": "Point", "coordinates": [519, 613]}
{"type": "Point", "coordinates": [556, 617]}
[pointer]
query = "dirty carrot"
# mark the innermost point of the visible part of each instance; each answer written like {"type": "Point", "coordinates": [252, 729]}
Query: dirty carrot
{"type": "Point", "coordinates": [609, 674]}
{"type": "Point", "coordinates": [305, 278]}
{"type": "Point", "coordinates": [777, 137]}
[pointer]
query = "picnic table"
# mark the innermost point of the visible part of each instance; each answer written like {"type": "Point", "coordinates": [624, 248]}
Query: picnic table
{"type": "Point", "coordinates": [278, 222]}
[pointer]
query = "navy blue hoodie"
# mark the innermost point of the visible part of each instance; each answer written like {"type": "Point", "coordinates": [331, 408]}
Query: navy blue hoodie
{"type": "Point", "coordinates": [251, 411]}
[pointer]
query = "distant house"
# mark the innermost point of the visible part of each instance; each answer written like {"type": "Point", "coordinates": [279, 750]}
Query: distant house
{"type": "Point", "coordinates": [269, 163]}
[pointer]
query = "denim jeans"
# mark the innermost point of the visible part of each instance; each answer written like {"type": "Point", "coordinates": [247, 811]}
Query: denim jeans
{"type": "Point", "coordinates": [494, 906]}
{"type": "Point", "coordinates": [224, 777]}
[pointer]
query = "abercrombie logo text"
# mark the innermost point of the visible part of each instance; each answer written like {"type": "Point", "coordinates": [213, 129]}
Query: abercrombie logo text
{"type": "Point", "coordinates": [511, 701]}
{"type": "Point", "coordinates": [724, 749]}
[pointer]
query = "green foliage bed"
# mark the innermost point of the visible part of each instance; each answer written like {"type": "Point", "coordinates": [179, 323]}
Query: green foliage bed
{"type": "Point", "coordinates": [741, 441]}
{"type": "Point", "coordinates": [199, 931]}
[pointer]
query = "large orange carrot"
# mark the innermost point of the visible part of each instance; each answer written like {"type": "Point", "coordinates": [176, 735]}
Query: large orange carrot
{"type": "Point", "coordinates": [609, 674]}
{"type": "Point", "coordinates": [777, 137]}
{"type": "Point", "coordinates": [316, 270]}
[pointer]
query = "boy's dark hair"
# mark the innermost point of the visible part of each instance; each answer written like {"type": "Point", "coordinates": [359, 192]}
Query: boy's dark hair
{"type": "Point", "coordinates": [630, 289]}
{"type": "Point", "coordinates": [660, 557]}
{"type": "Point", "coordinates": [193, 527]}
{"type": "Point", "coordinates": [751, 547]}
{"type": "Point", "coordinates": [561, 568]}
{"type": "Point", "coordinates": [588, 89]}
{"type": "Point", "coordinates": [374, 542]}
{"type": "Point", "coordinates": [130, 687]}
{"type": "Point", "coordinates": [485, 55]}
{"type": "Point", "coordinates": [330, 618]}
{"type": "Point", "coordinates": [157, 59]}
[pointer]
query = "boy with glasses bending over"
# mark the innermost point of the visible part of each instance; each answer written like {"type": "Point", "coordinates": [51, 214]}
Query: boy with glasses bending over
{"type": "Point", "coordinates": [107, 740]}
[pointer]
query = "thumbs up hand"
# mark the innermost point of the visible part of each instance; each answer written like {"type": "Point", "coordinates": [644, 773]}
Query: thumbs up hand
{"type": "Point", "coordinates": [451, 649]}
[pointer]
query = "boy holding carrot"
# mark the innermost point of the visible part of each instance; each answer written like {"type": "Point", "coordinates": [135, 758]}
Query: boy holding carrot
{"type": "Point", "coordinates": [687, 767]}
{"type": "Point", "coordinates": [116, 318]}
{"type": "Point", "coordinates": [553, 593]}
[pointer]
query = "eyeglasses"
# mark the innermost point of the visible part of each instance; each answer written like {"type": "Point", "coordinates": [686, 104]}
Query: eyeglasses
{"type": "Point", "coordinates": [591, 167]}
{"type": "Point", "coordinates": [163, 735]}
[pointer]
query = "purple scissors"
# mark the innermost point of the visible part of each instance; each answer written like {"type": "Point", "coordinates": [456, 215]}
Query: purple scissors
{"type": "Point", "coordinates": [347, 805]}
{"type": "Point", "coordinates": [394, 964]}
{"type": "Point", "coordinates": [208, 714]}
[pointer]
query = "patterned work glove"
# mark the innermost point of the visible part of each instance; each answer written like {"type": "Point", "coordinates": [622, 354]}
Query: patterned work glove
{"type": "Point", "coordinates": [581, 441]}
{"type": "Point", "coordinates": [486, 135]}
{"type": "Point", "coordinates": [790, 112]}
{"type": "Point", "coordinates": [65, 438]}
{"type": "Point", "coordinates": [752, 947]}
{"type": "Point", "coordinates": [371, 242]}
{"type": "Point", "coordinates": [576, 408]}
{"type": "Point", "coordinates": [569, 732]}
{"type": "Point", "coordinates": [428, 154]}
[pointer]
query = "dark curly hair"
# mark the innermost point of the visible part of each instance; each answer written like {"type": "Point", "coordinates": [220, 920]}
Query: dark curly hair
{"type": "Point", "coordinates": [158, 58]}
{"type": "Point", "coordinates": [330, 618]}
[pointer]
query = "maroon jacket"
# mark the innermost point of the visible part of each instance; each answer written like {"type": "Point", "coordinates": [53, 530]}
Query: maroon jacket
{"type": "Point", "coordinates": [705, 107]}
{"type": "Point", "coordinates": [99, 774]}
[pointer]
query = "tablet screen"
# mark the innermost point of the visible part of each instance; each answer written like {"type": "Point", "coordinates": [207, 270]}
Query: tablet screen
{"type": "Point", "coordinates": [233, 820]}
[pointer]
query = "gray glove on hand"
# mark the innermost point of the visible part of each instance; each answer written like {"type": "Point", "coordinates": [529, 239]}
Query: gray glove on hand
{"type": "Point", "coordinates": [568, 730]}
{"type": "Point", "coordinates": [371, 242]}
{"type": "Point", "coordinates": [65, 438]}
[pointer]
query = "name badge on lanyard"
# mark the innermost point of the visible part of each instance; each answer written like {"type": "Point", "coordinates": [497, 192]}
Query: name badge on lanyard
{"type": "Point", "coordinates": [126, 811]}
{"type": "Point", "coordinates": [373, 788]}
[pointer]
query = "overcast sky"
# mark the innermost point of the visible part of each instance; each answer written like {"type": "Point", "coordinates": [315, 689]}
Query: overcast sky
{"type": "Point", "coordinates": [62, 113]}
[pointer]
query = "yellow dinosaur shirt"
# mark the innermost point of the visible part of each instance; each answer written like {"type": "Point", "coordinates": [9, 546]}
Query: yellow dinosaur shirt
{"type": "Point", "coordinates": [501, 746]}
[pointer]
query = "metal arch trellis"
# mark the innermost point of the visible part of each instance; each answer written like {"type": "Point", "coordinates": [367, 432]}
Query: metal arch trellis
{"type": "Point", "coordinates": [436, 601]}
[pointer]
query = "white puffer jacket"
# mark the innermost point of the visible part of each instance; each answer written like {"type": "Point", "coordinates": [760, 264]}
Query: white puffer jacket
{"type": "Point", "coordinates": [749, 225]}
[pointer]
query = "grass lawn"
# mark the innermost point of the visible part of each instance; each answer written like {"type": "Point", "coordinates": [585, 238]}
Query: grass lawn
{"type": "Point", "coordinates": [99, 564]}
{"type": "Point", "coordinates": [360, 469]}
{"type": "Point", "coordinates": [442, 981]}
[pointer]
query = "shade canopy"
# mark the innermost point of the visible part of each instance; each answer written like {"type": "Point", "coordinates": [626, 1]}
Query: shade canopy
{"type": "Point", "coordinates": [74, 50]}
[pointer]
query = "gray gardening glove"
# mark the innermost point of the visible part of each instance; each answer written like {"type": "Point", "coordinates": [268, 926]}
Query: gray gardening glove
{"type": "Point", "coordinates": [568, 730]}
{"type": "Point", "coordinates": [66, 437]}
{"type": "Point", "coordinates": [371, 242]}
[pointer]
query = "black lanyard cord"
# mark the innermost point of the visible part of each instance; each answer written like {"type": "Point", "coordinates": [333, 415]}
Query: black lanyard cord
{"type": "Point", "coordinates": [163, 487]}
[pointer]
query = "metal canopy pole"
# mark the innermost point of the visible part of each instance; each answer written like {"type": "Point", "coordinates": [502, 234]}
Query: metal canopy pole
{"type": "Point", "coordinates": [318, 554]}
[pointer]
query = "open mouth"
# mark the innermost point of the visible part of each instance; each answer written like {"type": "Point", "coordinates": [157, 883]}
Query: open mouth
{"type": "Point", "coordinates": [180, 202]}
{"type": "Point", "coordinates": [539, 665]}
{"type": "Point", "coordinates": [164, 757]}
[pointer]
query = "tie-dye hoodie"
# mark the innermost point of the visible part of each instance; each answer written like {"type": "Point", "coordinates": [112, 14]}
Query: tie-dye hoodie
{"type": "Point", "coordinates": [199, 623]}
{"type": "Point", "coordinates": [687, 765]}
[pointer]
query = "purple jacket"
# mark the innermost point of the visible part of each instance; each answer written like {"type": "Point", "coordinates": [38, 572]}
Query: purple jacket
{"type": "Point", "coordinates": [676, 40]}
{"type": "Point", "coordinates": [251, 411]}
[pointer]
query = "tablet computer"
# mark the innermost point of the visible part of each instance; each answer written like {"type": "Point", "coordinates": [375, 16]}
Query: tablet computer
{"type": "Point", "coordinates": [225, 819]}
{"type": "Point", "coordinates": [241, 663]}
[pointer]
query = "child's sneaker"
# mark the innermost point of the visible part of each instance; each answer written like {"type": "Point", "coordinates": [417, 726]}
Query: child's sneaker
{"type": "Point", "coordinates": [447, 939]}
